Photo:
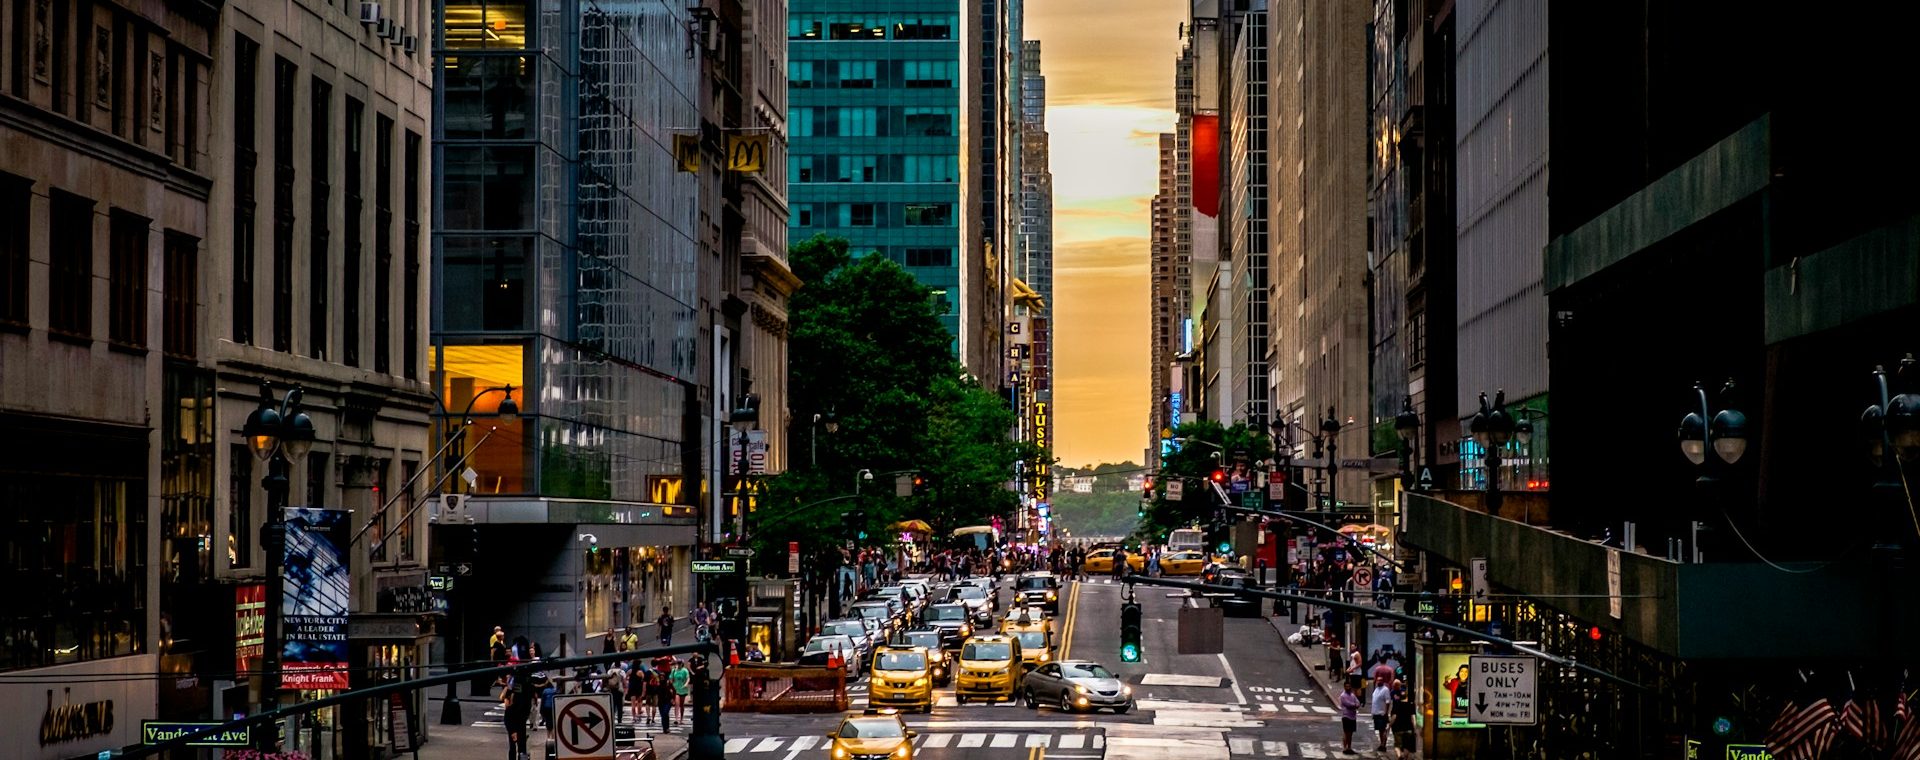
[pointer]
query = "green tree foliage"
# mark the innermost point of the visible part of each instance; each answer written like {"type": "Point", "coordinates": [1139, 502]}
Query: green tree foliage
{"type": "Point", "coordinates": [867, 345]}
{"type": "Point", "coordinates": [1209, 446]}
{"type": "Point", "coordinates": [1102, 513]}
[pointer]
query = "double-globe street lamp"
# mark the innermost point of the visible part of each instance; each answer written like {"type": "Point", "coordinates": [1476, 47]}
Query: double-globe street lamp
{"type": "Point", "coordinates": [275, 433]}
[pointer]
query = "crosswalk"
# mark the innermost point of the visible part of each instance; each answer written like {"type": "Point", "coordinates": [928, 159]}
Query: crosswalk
{"type": "Point", "coordinates": [943, 740]}
{"type": "Point", "coordinates": [1240, 745]}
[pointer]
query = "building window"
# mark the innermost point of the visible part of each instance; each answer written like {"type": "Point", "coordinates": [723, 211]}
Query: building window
{"type": "Point", "coordinates": [382, 243]}
{"type": "Point", "coordinates": [934, 122]}
{"type": "Point", "coordinates": [800, 75]}
{"type": "Point", "coordinates": [284, 73]}
{"type": "Point", "coordinates": [857, 168]}
{"type": "Point", "coordinates": [1417, 339]}
{"type": "Point", "coordinates": [486, 97]}
{"type": "Point", "coordinates": [404, 536]}
{"type": "Point", "coordinates": [179, 302]}
{"type": "Point", "coordinates": [799, 168]}
{"type": "Point", "coordinates": [245, 53]}
{"type": "Point", "coordinates": [319, 200]}
{"type": "Point", "coordinates": [70, 285]}
{"type": "Point", "coordinates": [493, 25]}
{"type": "Point", "coordinates": [240, 512]}
{"type": "Point", "coordinates": [857, 122]}
{"type": "Point", "coordinates": [76, 553]}
{"type": "Point", "coordinates": [859, 215]}
{"type": "Point", "coordinates": [929, 74]}
{"type": "Point", "coordinates": [484, 283]}
{"type": "Point", "coordinates": [925, 28]}
{"type": "Point", "coordinates": [319, 479]}
{"type": "Point", "coordinates": [350, 250]}
{"type": "Point", "coordinates": [16, 237]}
{"type": "Point", "coordinates": [858, 75]}
{"type": "Point", "coordinates": [410, 294]}
{"type": "Point", "coordinates": [929, 215]}
{"type": "Point", "coordinates": [127, 280]}
{"type": "Point", "coordinates": [929, 257]}
{"type": "Point", "coordinates": [939, 168]}
{"type": "Point", "coordinates": [803, 214]}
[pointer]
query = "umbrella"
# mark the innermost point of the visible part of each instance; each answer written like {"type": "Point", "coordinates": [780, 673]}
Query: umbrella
{"type": "Point", "coordinates": [913, 526]}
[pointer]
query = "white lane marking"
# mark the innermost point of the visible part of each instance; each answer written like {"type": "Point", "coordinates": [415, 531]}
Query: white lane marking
{"type": "Point", "coordinates": [1322, 709]}
{"type": "Point", "coordinates": [767, 745]}
{"type": "Point", "coordinates": [737, 745]}
{"type": "Point", "coordinates": [1099, 741]}
{"type": "Point", "coordinates": [1073, 741]}
{"type": "Point", "coordinates": [1171, 679]}
{"type": "Point", "coordinates": [1004, 740]}
{"type": "Point", "coordinates": [938, 741]}
{"type": "Point", "coordinates": [972, 740]}
{"type": "Point", "coordinates": [1038, 740]}
{"type": "Point", "coordinates": [1311, 749]}
{"type": "Point", "coordinates": [1239, 697]}
{"type": "Point", "coordinates": [803, 743]}
{"type": "Point", "coordinates": [1240, 745]}
{"type": "Point", "coordinates": [1295, 708]}
{"type": "Point", "coordinates": [1274, 749]}
{"type": "Point", "coordinates": [1269, 708]}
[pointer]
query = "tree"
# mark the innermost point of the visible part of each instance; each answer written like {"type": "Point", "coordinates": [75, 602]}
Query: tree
{"type": "Point", "coordinates": [1209, 447]}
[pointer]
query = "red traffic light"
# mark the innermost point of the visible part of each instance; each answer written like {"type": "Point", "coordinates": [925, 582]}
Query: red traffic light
{"type": "Point", "coordinates": [1594, 633]}
{"type": "Point", "coordinates": [1219, 476]}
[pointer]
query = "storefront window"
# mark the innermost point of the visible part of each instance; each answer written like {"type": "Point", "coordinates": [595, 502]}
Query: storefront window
{"type": "Point", "coordinates": [75, 567]}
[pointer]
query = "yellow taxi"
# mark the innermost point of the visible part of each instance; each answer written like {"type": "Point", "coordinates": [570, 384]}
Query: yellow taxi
{"type": "Point", "coordinates": [871, 737]}
{"type": "Point", "coordinates": [1036, 645]}
{"type": "Point", "coordinates": [1099, 561]}
{"type": "Point", "coordinates": [1183, 563]}
{"type": "Point", "coordinates": [1021, 618]}
{"type": "Point", "coordinates": [902, 677]}
{"type": "Point", "coordinates": [987, 668]}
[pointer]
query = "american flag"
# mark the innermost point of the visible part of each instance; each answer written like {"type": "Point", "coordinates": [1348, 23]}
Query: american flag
{"type": "Point", "coordinates": [1906, 743]}
{"type": "Point", "coordinates": [1803, 732]}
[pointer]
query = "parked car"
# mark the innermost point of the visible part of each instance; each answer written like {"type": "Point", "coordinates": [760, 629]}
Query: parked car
{"type": "Point", "coordinates": [954, 621]}
{"type": "Point", "coordinates": [832, 651]}
{"type": "Point", "coordinates": [1075, 685]}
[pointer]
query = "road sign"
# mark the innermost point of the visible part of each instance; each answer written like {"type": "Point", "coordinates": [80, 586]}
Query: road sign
{"type": "Point", "coordinates": [793, 557]}
{"type": "Point", "coordinates": [1479, 587]}
{"type": "Point", "coordinates": [1748, 752]}
{"type": "Point", "coordinates": [739, 551]}
{"type": "Point", "coordinates": [713, 566]}
{"type": "Point", "coordinates": [584, 727]}
{"type": "Point", "coordinates": [1426, 479]}
{"type": "Point", "coordinates": [1176, 491]}
{"type": "Point", "coordinates": [1253, 500]}
{"type": "Point", "coordinates": [155, 732]}
{"type": "Point", "coordinates": [1504, 689]}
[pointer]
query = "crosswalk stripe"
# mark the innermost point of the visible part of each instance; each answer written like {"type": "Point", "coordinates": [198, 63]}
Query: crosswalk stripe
{"type": "Point", "coordinates": [1073, 741]}
{"type": "Point", "coordinates": [1038, 740]}
{"type": "Point", "coordinates": [737, 745]}
{"type": "Point", "coordinates": [802, 743]}
{"type": "Point", "coordinates": [1004, 740]}
{"type": "Point", "coordinates": [1274, 749]}
{"type": "Point", "coordinates": [1240, 745]}
{"type": "Point", "coordinates": [1269, 707]}
{"type": "Point", "coordinates": [1323, 709]}
{"type": "Point", "coordinates": [1294, 708]}
{"type": "Point", "coordinates": [767, 745]}
{"type": "Point", "coordinates": [938, 741]}
{"type": "Point", "coordinates": [1311, 749]}
{"type": "Point", "coordinates": [972, 740]}
{"type": "Point", "coordinates": [1099, 741]}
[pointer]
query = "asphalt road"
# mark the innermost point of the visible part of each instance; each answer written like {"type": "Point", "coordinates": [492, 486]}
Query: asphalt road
{"type": "Point", "coordinates": [1250, 701]}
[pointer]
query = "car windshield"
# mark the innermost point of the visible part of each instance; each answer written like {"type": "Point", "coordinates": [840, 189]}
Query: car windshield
{"type": "Point", "coordinates": [1085, 670]}
{"type": "Point", "coordinates": [847, 628]}
{"type": "Point", "coordinates": [876, 611]}
{"type": "Point", "coordinates": [825, 643]}
{"type": "Point", "coordinates": [986, 650]}
{"type": "Point", "coordinates": [891, 591]}
{"type": "Point", "coordinates": [969, 592]}
{"type": "Point", "coordinates": [946, 612]}
{"type": "Point", "coordinates": [928, 639]}
{"type": "Point", "coordinates": [1032, 639]}
{"type": "Point", "coordinates": [1036, 583]}
{"type": "Point", "coordinates": [872, 729]}
{"type": "Point", "coordinates": [901, 661]}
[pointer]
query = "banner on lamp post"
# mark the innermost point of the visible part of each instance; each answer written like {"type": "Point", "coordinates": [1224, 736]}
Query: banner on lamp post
{"type": "Point", "coordinates": [316, 583]}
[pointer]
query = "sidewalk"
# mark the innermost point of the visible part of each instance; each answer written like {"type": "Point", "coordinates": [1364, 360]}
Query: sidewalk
{"type": "Point", "coordinates": [488, 739]}
{"type": "Point", "coordinates": [1312, 657]}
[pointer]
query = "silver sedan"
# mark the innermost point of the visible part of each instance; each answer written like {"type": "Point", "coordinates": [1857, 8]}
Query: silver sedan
{"type": "Point", "coordinates": [1075, 685]}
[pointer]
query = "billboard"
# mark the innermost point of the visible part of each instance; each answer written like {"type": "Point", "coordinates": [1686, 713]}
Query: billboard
{"type": "Point", "coordinates": [313, 602]}
{"type": "Point", "coordinates": [1453, 706]}
{"type": "Point", "coordinates": [1206, 164]}
{"type": "Point", "coordinates": [249, 625]}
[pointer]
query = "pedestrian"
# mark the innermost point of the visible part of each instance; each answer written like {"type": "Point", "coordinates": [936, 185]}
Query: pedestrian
{"type": "Point", "coordinates": [518, 698]}
{"type": "Point", "coordinates": [662, 698]}
{"type": "Point", "coordinates": [1380, 706]}
{"type": "Point", "coordinates": [701, 619]}
{"type": "Point", "coordinates": [637, 689]}
{"type": "Point", "coordinates": [753, 652]}
{"type": "Point", "coordinates": [615, 682]}
{"type": "Point", "coordinates": [548, 693]}
{"type": "Point", "coordinates": [1403, 746]}
{"type": "Point", "coordinates": [1349, 716]}
{"type": "Point", "coordinates": [630, 641]}
{"type": "Point", "coordinates": [665, 623]}
{"type": "Point", "coordinates": [681, 680]}
{"type": "Point", "coordinates": [497, 646]}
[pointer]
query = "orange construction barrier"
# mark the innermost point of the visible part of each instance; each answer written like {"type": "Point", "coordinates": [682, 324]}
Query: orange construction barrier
{"type": "Point", "coordinates": [767, 688]}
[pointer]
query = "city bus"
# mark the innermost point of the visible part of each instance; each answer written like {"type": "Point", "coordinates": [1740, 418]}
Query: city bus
{"type": "Point", "coordinates": [1186, 539]}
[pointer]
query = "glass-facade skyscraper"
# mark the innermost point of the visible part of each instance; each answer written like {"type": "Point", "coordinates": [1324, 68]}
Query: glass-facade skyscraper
{"type": "Point", "coordinates": [874, 121]}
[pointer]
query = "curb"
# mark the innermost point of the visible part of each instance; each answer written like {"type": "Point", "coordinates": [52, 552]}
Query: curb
{"type": "Point", "coordinates": [1305, 667]}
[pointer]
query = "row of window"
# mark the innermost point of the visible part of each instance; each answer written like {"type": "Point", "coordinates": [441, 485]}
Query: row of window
{"type": "Point", "coordinates": [873, 121]}
{"type": "Point", "coordinates": [869, 168]}
{"type": "Point", "coordinates": [71, 275]}
{"type": "Point", "coordinates": [858, 75]}
{"type": "Point", "coordinates": [873, 215]}
{"type": "Point", "coordinates": [855, 25]}
{"type": "Point", "coordinates": [290, 112]}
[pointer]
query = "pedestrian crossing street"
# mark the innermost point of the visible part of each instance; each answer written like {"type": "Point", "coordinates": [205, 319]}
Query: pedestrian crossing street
{"type": "Point", "coordinates": [983, 740]}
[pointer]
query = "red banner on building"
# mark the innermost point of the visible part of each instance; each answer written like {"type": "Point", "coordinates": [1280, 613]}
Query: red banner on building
{"type": "Point", "coordinates": [1206, 164]}
{"type": "Point", "coordinates": [249, 626]}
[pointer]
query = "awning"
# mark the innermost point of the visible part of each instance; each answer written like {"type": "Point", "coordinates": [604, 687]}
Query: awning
{"type": "Point", "coordinates": [913, 526]}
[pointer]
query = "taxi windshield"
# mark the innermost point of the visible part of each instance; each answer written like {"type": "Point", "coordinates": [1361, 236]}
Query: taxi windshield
{"type": "Point", "coordinates": [986, 650]}
{"type": "Point", "coordinates": [1032, 639]}
{"type": "Point", "coordinates": [872, 729]}
{"type": "Point", "coordinates": [901, 661]}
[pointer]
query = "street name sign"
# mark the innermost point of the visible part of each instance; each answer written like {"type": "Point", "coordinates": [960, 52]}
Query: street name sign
{"type": "Point", "coordinates": [1504, 689]}
{"type": "Point", "coordinates": [1748, 752]}
{"type": "Point", "coordinates": [713, 566]}
{"type": "Point", "coordinates": [583, 727]}
{"type": "Point", "coordinates": [739, 551]}
{"type": "Point", "coordinates": [156, 731]}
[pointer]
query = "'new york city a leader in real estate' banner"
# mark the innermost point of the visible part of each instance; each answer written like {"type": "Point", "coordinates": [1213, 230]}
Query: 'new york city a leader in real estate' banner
{"type": "Point", "coordinates": [313, 607]}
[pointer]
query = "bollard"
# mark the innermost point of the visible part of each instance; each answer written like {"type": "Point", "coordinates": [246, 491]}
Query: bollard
{"type": "Point", "coordinates": [450, 708]}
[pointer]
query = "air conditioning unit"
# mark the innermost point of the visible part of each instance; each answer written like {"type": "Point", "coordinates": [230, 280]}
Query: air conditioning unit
{"type": "Point", "coordinates": [394, 33]}
{"type": "Point", "coordinates": [369, 13]}
{"type": "Point", "coordinates": [383, 28]}
{"type": "Point", "coordinates": [409, 43]}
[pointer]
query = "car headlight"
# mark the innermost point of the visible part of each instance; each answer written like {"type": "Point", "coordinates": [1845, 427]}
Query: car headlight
{"type": "Point", "coordinates": [1126, 690]}
{"type": "Point", "coordinates": [1050, 596]}
{"type": "Point", "coordinates": [919, 682]}
{"type": "Point", "coordinates": [1079, 688]}
{"type": "Point", "coordinates": [904, 750]}
{"type": "Point", "coordinates": [839, 751]}
{"type": "Point", "coordinates": [1045, 657]}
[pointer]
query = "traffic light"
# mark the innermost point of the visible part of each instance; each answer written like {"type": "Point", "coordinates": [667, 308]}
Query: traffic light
{"type": "Point", "coordinates": [1149, 484]}
{"type": "Point", "coordinates": [1130, 650]}
{"type": "Point", "coordinates": [919, 484]}
{"type": "Point", "coordinates": [1219, 475]}
{"type": "Point", "coordinates": [705, 742]}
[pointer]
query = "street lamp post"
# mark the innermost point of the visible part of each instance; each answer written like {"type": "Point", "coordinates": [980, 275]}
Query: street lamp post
{"type": "Point", "coordinates": [274, 434]}
{"type": "Point", "coordinates": [832, 422]}
{"type": "Point", "coordinates": [1492, 428]}
{"type": "Point", "coordinates": [1892, 431]}
{"type": "Point", "coordinates": [1725, 437]}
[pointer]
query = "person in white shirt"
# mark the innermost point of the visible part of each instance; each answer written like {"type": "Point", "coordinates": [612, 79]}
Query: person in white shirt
{"type": "Point", "coordinates": [1382, 703]}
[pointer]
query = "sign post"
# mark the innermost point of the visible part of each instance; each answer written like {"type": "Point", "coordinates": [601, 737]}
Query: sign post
{"type": "Point", "coordinates": [583, 727]}
{"type": "Point", "coordinates": [1505, 689]}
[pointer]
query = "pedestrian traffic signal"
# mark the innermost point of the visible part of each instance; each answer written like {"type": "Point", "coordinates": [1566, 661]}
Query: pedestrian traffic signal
{"type": "Point", "coordinates": [1130, 632]}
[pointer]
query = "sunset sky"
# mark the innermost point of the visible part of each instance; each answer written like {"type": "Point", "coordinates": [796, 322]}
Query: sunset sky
{"type": "Point", "coordinates": [1109, 69]}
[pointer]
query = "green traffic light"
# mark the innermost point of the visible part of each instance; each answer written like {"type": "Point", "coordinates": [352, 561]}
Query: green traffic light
{"type": "Point", "coordinates": [1129, 653]}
